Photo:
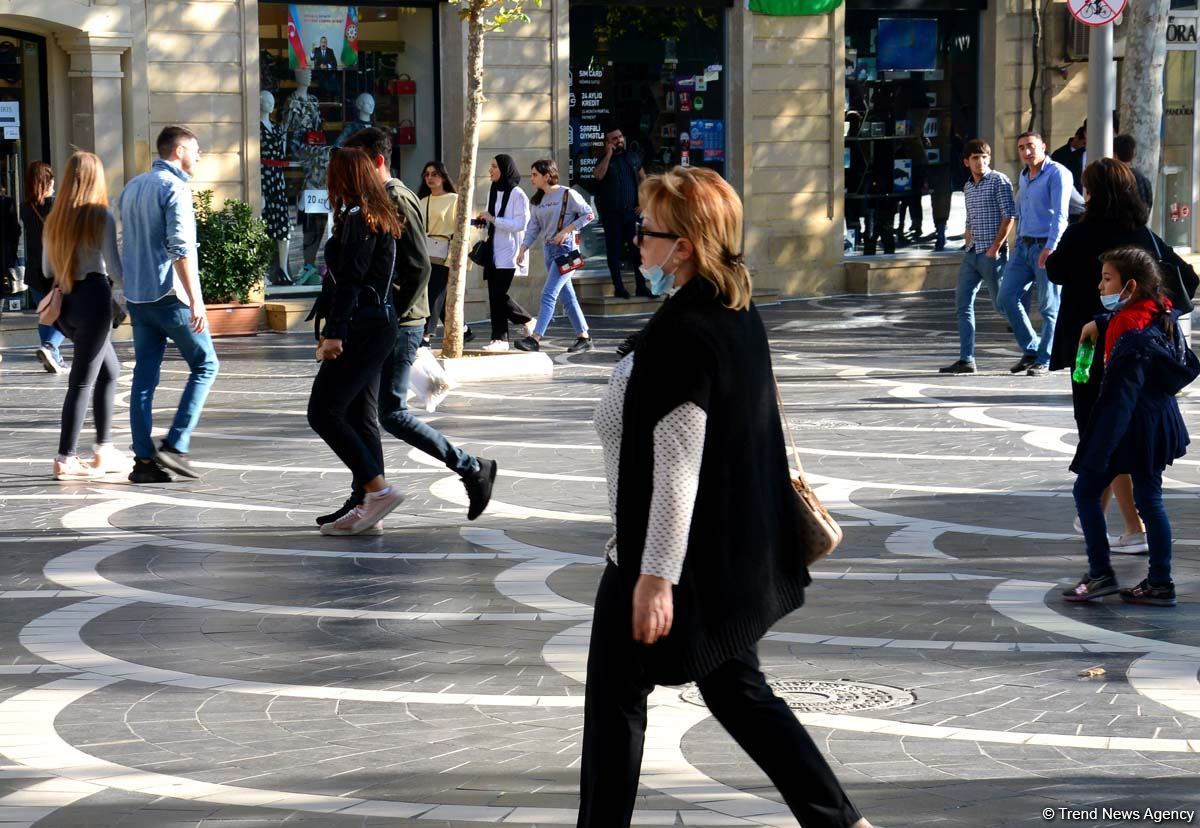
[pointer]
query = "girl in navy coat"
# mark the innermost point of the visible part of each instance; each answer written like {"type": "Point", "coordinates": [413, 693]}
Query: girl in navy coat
{"type": "Point", "coordinates": [1135, 427]}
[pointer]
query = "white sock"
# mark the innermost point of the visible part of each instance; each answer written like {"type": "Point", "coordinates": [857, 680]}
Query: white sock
{"type": "Point", "coordinates": [380, 493]}
{"type": "Point", "coordinates": [62, 458]}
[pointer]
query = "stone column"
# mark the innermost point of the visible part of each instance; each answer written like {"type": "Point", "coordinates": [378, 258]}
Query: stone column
{"type": "Point", "coordinates": [96, 105]}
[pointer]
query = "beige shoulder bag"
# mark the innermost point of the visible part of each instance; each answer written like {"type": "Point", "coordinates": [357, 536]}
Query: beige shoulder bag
{"type": "Point", "coordinates": [819, 532]}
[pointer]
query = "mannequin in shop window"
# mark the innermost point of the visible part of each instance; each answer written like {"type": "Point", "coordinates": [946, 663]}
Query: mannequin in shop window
{"type": "Point", "coordinates": [364, 108]}
{"type": "Point", "coordinates": [306, 139]}
{"type": "Point", "coordinates": [273, 157]}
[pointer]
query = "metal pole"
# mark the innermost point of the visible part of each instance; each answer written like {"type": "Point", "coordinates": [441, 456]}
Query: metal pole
{"type": "Point", "coordinates": [1102, 92]}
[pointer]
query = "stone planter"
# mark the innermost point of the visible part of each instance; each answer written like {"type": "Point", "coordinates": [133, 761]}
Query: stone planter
{"type": "Point", "coordinates": [233, 320]}
{"type": "Point", "coordinates": [481, 366]}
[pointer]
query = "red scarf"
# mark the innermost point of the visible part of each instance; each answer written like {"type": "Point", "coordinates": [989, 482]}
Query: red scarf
{"type": "Point", "coordinates": [1133, 317]}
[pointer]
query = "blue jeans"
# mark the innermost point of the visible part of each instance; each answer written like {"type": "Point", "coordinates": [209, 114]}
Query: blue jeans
{"type": "Point", "coordinates": [1021, 273]}
{"type": "Point", "coordinates": [976, 269]}
{"type": "Point", "coordinates": [1147, 494]}
{"type": "Point", "coordinates": [393, 406]}
{"type": "Point", "coordinates": [48, 334]}
{"type": "Point", "coordinates": [558, 283]}
{"type": "Point", "coordinates": [153, 324]}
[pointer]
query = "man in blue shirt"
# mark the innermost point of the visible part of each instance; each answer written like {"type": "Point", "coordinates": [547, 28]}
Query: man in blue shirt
{"type": "Point", "coordinates": [162, 289]}
{"type": "Point", "coordinates": [1043, 203]}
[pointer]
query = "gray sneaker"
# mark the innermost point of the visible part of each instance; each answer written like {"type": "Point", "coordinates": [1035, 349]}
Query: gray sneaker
{"type": "Point", "coordinates": [1037, 370]}
{"type": "Point", "coordinates": [1132, 544]}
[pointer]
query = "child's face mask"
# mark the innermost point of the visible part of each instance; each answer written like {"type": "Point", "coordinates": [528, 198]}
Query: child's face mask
{"type": "Point", "coordinates": [1115, 301]}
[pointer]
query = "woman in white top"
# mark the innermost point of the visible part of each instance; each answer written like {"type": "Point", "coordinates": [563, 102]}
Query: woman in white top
{"type": "Point", "coordinates": [506, 217]}
{"type": "Point", "coordinates": [438, 200]}
{"type": "Point", "coordinates": [79, 255]}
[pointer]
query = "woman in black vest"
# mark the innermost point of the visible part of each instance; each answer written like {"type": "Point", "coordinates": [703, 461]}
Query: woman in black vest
{"type": "Point", "coordinates": [39, 198]}
{"type": "Point", "coordinates": [706, 555]}
{"type": "Point", "coordinates": [359, 329]}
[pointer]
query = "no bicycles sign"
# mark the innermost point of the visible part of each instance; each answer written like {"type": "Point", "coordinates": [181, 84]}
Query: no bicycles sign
{"type": "Point", "coordinates": [1096, 12]}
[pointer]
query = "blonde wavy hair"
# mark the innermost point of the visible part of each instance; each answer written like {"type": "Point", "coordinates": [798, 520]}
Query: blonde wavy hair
{"type": "Point", "coordinates": [696, 204]}
{"type": "Point", "coordinates": [79, 216]}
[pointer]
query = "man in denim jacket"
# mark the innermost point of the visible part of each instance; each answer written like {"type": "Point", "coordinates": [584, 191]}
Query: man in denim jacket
{"type": "Point", "coordinates": [162, 288]}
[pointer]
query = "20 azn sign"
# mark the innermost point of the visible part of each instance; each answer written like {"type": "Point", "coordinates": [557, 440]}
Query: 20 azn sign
{"type": "Point", "coordinates": [1096, 12]}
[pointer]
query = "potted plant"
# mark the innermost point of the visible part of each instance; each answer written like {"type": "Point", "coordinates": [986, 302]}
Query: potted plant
{"type": "Point", "coordinates": [234, 251]}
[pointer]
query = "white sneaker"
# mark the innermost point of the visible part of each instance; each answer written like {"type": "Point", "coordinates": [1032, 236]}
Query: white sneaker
{"type": "Point", "coordinates": [375, 508]}
{"type": "Point", "coordinates": [1112, 539]}
{"type": "Point", "coordinates": [71, 468]}
{"type": "Point", "coordinates": [496, 346]}
{"type": "Point", "coordinates": [1132, 544]}
{"type": "Point", "coordinates": [345, 525]}
{"type": "Point", "coordinates": [52, 364]}
{"type": "Point", "coordinates": [108, 458]}
{"type": "Point", "coordinates": [530, 326]}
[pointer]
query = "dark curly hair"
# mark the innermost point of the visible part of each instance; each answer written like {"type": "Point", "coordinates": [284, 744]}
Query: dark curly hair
{"type": "Point", "coordinates": [1112, 194]}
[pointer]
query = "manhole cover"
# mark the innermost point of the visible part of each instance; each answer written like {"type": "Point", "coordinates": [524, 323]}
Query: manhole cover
{"type": "Point", "coordinates": [828, 696]}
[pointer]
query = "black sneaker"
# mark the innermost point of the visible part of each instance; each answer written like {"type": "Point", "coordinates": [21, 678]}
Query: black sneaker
{"type": "Point", "coordinates": [468, 334]}
{"type": "Point", "coordinates": [1023, 364]}
{"type": "Point", "coordinates": [960, 367]}
{"type": "Point", "coordinates": [527, 343]}
{"type": "Point", "coordinates": [147, 470]}
{"type": "Point", "coordinates": [583, 343]}
{"type": "Point", "coordinates": [175, 461]}
{"type": "Point", "coordinates": [621, 293]}
{"type": "Point", "coordinates": [352, 501]}
{"type": "Point", "coordinates": [1089, 588]}
{"type": "Point", "coordinates": [628, 345]}
{"type": "Point", "coordinates": [479, 487]}
{"type": "Point", "coordinates": [1147, 593]}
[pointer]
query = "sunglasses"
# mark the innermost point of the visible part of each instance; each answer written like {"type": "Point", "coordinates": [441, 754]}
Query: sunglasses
{"type": "Point", "coordinates": [642, 233]}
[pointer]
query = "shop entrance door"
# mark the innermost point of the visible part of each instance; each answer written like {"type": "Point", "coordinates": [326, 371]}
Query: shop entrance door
{"type": "Point", "coordinates": [24, 132]}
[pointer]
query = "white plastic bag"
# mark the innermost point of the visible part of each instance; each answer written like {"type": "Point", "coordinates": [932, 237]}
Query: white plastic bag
{"type": "Point", "coordinates": [428, 380]}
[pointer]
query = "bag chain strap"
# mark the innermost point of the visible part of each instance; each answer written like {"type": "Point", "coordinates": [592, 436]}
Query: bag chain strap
{"type": "Point", "coordinates": [787, 427]}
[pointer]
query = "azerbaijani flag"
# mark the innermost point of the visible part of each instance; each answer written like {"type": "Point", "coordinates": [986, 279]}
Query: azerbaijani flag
{"type": "Point", "coordinates": [350, 41]}
{"type": "Point", "coordinates": [297, 56]}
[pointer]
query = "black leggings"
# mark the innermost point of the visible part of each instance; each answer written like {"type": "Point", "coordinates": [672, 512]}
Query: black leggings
{"type": "Point", "coordinates": [439, 278]}
{"type": "Point", "coordinates": [343, 408]}
{"type": "Point", "coordinates": [86, 319]}
{"type": "Point", "coordinates": [614, 725]}
{"type": "Point", "coordinates": [503, 308]}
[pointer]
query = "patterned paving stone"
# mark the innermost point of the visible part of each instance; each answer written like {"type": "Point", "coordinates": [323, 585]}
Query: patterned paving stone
{"type": "Point", "coordinates": [197, 655]}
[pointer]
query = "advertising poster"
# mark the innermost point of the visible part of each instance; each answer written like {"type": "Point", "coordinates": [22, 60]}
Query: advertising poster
{"type": "Point", "coordinates": [590, 107]}
{"type": "Point", "coordinates": [322, 37]}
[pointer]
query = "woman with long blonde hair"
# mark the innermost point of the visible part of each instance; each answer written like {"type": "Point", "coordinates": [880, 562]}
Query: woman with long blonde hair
{"type": "Point", "coordinates": [80, 259]}
{"type": "Point", "coordinates": [707, 552]}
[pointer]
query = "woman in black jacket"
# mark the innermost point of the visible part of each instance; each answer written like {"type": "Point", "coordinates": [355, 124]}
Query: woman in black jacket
{"type": "Point", "coordinates": [706, 555]}
{"type": "Point", "coordinates": [39, 198]}
{"type": "Point", "coordinates": [1115, 216]}
{"type": "Point", "coordinates": [359, 329]}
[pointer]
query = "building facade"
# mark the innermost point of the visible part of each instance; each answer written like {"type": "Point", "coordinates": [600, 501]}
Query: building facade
{"type": "Point", "coordinates": [830, 127]}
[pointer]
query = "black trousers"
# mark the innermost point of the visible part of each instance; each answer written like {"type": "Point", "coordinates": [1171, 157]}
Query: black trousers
{"type": "Point", "coordinates": [614, 725]}
{"type": "Point", "coordinates": [619, 231]}
{"type": "Point", "coordinates": [86, 319]}
{"type": "Point", "coordinates": [343, 408]}
{"type": "Point", "coordinates": [439, 277]}
{"type": "Point", "coordinates": [502, 307]}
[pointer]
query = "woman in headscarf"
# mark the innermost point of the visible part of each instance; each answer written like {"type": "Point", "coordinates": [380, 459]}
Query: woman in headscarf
{"type": "Point", "coordinates": [506, 217]}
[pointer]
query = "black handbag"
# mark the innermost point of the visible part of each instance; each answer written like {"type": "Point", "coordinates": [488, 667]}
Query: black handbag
{"type": "Point", "coordinates": [1180, 282]}
{"type": "Point", "coordinates": [481, 253]}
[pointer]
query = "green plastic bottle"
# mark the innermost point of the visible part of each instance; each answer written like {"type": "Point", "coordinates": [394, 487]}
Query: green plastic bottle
{"type": "Point", "coordinates": [1083, 361]}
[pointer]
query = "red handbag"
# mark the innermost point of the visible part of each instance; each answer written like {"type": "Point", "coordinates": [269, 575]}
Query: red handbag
{"type": "Point", "coordinates": [404, 85]}
{"type": "Point", "coordinates": [314, 137]}
{"type": "Point", "coordinates": [406, 134]}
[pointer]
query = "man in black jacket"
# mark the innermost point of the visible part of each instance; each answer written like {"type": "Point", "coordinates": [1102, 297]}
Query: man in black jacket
{"type": "Point", "coordinates": [618, 174]}
{"type": "Point", "coordinates": [1125, 149]}
{"type": "Point", "coordinates": [1072, 155]}
{"type": "Point", "coordinates": [410, 288]}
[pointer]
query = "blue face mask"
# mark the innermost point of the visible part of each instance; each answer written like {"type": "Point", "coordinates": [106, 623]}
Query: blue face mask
{"type": "Point", "coordinates": [1113, 301]}
{"type": "Point", "coordinates": [660, 283]}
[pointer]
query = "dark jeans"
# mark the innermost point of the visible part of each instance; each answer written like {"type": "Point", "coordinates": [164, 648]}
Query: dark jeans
{"type": "Point", "coordinates": [619, 231]}
{"type": "Point", "coordinates": [439, 276]}
{"type": "Point", "coordinates": [502, 307]}
{"type": "Point", "coordinates": [393, 406]}
{"type": "Point", "coordinates": [614, 725]}
{"type": "Point", "coordinates": [1147, 494]}
{"type": "Point", "coordinates": [86, 319]}
{"type": "Point", "coordinates": [343, 406]}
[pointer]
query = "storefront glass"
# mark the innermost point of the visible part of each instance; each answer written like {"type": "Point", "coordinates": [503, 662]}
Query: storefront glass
{"type": "Point", "coordinates": [1176, 171]}
{"type": "Point", "coordinates": [910, 107]}
{"type": "Point", "coordinates": [330, 71]}
{"type": "Point", "coordinates": [658, 73]}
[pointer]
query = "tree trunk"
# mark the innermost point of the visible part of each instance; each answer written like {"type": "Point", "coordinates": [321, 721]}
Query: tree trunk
{"type": "Point", "coordinates": [1035, 96]}
{"type": "Point", "coordinates": [1140, 107]}
{"type": "Point", "coordinates": [452, 337]}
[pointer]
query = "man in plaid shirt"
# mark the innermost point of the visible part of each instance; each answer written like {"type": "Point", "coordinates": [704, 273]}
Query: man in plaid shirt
{"type": "Point", "coordinates": [991, 212]}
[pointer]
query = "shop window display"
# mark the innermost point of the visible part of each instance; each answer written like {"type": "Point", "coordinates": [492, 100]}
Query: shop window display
{"type": "Point", "coordinates": [327, 72]}
{"type": "Point", "coordinates": [909, 109]}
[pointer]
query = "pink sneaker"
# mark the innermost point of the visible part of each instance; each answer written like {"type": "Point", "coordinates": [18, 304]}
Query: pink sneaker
{"type": "Point", "coordinates": [345, 525]}
{"type": "Point", "coordinates": [375, 508]}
